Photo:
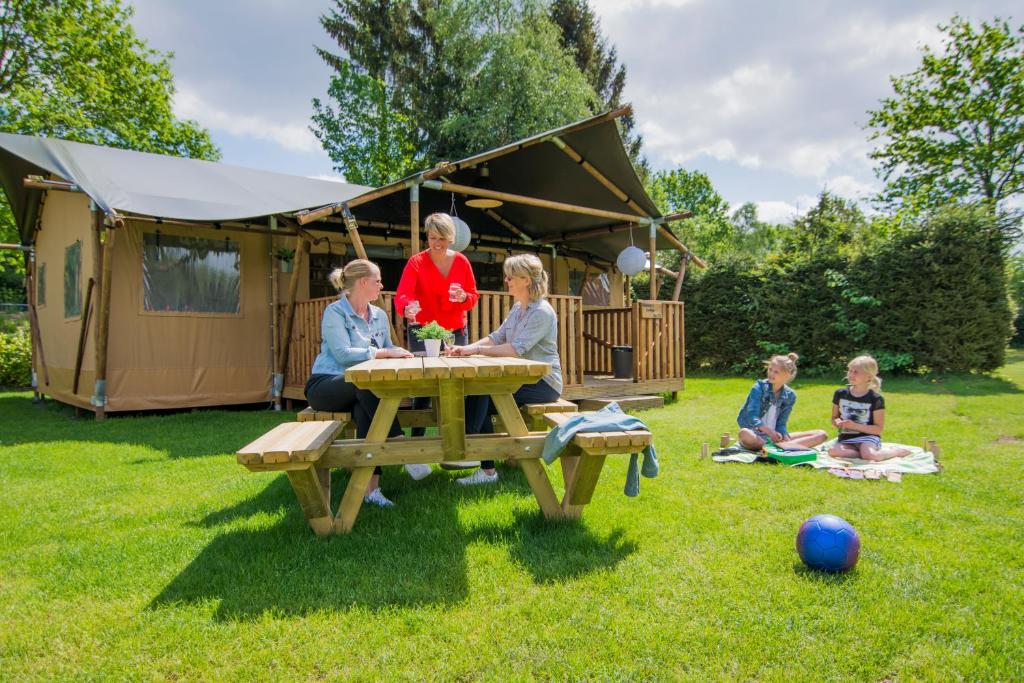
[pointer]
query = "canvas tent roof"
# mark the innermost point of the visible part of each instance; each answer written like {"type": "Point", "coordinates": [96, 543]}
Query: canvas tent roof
{"type": "Point", "coordinates": [189, 189]}
{"type": "Point", "coordinates": [536, 167]}
{"type": "Point", "coordinates": [155, 184]}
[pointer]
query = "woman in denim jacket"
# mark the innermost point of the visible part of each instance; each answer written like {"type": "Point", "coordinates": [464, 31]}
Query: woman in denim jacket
{"type": "Point", "coordinates": [765, 413]}
{"type": "Point", "coordinates": [352, 331]}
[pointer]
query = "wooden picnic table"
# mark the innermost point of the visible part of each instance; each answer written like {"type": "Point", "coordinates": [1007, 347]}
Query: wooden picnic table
{"type": "Point", "coordinates": [308, 453]}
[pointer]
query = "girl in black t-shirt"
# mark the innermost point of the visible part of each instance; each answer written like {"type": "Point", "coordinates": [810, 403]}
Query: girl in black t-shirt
{"type": "Point", "coordinates": [858, 411]}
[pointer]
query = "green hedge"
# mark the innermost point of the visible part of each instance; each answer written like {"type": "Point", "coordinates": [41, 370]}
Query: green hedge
{"type": "Point", "coordinates": [15, 353]}
{"type": "Point", "coordinates": [932, 299]}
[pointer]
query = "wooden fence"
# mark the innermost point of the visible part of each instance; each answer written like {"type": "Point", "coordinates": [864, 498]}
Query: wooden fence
{"type": "Point", "coordinates": [483, 319]}
{"type": "Point", "coordinates": [655, 330]}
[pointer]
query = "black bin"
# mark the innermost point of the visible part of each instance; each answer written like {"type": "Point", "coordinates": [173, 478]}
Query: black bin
{"type": "Point", "coordinates": [622, 362]}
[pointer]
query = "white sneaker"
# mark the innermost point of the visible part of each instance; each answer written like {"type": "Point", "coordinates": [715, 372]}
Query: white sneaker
{"type": "Point", "coordinates": [478, 477]}
{"type": "Point", "coordinates": [377, 498]}
{"type": "Point", "coordinates": [418, 471]}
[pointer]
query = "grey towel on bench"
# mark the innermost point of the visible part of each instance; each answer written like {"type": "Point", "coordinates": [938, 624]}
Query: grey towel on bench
{"type": "Point", "coordinates": [607, 419]}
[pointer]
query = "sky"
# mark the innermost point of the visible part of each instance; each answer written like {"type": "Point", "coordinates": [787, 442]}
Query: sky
{"type": "Point", "coordinates": [769, 99]}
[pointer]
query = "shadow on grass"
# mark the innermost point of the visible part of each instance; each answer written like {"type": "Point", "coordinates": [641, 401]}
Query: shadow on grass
{"type": "Point", "coordinates": [410, 555]}
{"type": "Point", "coordinates": [178, 434]}
{"type": "Point", "coordinates": [802, 571]}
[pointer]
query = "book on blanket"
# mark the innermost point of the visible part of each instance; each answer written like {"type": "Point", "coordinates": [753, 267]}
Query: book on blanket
{"type": "Point", "coordinates": [789, 456]}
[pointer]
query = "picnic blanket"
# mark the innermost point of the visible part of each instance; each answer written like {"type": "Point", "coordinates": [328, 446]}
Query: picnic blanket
{"type": "Point", "coordinates": [607, 419]}
{"type": "Point", "coordinates": [918, 461]}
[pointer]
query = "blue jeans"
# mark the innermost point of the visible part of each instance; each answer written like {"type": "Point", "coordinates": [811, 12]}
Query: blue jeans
{"type": "Point", "coordinates": [480, 408]}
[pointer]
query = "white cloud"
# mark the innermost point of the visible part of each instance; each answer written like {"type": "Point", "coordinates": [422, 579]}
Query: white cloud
{"type": "Point", "coordinates": [851, 188]}
{"type": "Point", "coordinates": [777, 212]}
{"type": "Point", "coordinates": [293, 137]}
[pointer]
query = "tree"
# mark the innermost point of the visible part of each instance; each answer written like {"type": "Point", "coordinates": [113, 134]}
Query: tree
{"type": "Point", "coordinates": [833, 227]}
{"type": "Point", "coordinates": [955, 128]}
{"type": "Point", "coordinates": [458, 76]}
{"type": "Point", "coordinates": [368, 140]}
{"type": "Point", "coordinates": [754, 237]}
{"type": "Point", "coordinates": [581, 36]}
{"type": "Point", "coordinates": [709, 232]}
{"type": "Point", "coordinates": [74, 69]}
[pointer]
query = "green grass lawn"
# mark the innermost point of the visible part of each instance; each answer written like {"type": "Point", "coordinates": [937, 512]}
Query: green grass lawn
{"type": "Point", "coordinates": [137, 548]}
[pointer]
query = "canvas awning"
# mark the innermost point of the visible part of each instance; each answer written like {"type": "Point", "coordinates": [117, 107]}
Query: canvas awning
{"type": "Point", "coordinates": [154, 184]}
{"type": "Point", "coordinates": [540, 167]}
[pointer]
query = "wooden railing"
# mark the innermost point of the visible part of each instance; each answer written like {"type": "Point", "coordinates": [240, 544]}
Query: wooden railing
{"type": "Point", "coordinates": [660, 347]}
{"type": "Point", "coordinates": [603, 329]}
{"type": "Point", "coordinates": [483, 319]}
{"type": "Point", "coordinates": [653, 328]}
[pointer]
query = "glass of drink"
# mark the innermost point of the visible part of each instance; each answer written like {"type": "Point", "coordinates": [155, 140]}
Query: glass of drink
{"type": "Point", "coordinates": [453, 291]}
{"type": "Point", "coordinates": [412, 308]}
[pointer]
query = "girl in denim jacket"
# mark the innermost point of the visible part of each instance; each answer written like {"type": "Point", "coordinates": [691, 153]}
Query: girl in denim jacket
{"type": "Point", "coordinates": [766, 411]}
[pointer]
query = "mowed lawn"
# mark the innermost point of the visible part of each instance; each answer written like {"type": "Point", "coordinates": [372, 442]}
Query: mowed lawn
{"type": "Point", "coordinates": [138, 549]}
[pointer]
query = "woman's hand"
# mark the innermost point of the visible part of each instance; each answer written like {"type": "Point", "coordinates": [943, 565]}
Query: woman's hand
{"type": "Point", "coordinates": [411, 310]}
{"type": "Point", "coordinates": [393, 352]}
{"type": "Point", "coordinates": [457, 293]}
{"type": "Point", "coordinates": [468, 350]}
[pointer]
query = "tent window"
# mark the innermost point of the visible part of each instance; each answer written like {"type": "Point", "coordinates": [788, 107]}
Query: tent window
{"type": "Point", "coordinates": [597, 291]}
{"type": "Point", "coordinates": [73, 280]}
{"type": "Point", "coordinates": [41, 285]}
{"type": "Point", "coordinates": [575, 281]}
{"type": "Point", "coordinates": [190, 274]}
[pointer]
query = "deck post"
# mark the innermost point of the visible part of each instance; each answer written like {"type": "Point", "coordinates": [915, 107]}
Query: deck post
{"type": "Point", "coordinates": [654, 262]}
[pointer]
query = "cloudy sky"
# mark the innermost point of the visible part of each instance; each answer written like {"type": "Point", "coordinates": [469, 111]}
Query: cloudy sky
{"type": "Point", "coordinates": [768, 98]}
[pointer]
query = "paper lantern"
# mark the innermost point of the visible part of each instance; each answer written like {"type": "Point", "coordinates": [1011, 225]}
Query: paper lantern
{"type": "Point", "coordinates": [462, 234]}
{"type": "Point", "coordinates": [631, 260]}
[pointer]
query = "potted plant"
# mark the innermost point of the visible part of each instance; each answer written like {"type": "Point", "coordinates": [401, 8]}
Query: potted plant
{"type": "Point", "coordinates": [285, 257]}
{"type": "Point", "coordinates": [432, 335]}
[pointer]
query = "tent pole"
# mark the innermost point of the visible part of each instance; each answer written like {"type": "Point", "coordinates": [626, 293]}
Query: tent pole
{"type": "Point", "coordinates": [357, 242]}
{"type": "Point", "coordinates": [654, 262]}
{"type": "Point", "coordinates": [33, 321]}
{"type": "Point", "coordinates": [97, 262]}
{"type": "Point", "coordinates": [277, 383]}
{"type": "Point", "coordinates": [302, 248]}
{"type": "Point", "coordinates": [414, 218]}
{"type": "Point", "coordinates": [99, 399]}
{"type": "Point", "coordinates": [83, 334]}
{"type": "Point", "coordinates": [679, 278]}
{"type": "Point", "coordinates": [533, 201]}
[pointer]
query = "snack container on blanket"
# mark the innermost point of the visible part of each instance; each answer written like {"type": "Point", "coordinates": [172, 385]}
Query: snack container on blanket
{"type": "Point", "coordinates": [789, 457]}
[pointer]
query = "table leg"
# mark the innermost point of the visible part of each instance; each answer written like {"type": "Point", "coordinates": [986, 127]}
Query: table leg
{"type": "Point", "coordinates": [451, 418]}
{"type": "Point", "coordinates": [584, 479]}
{"type": "Point", "coordinates": [535, 473]}
{"type": "Point", "coordinates": [316, 508]}
{"type": "Point", "coordinates": [569, 465]}
{"type": "Point", "coordinates": [352, 500]}
{"type": "Point", "coordinates": [510, 415]}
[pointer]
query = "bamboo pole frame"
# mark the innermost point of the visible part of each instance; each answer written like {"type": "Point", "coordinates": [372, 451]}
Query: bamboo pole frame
{"type": "Point", "coordinates": [654, 262]}
{"type": "Point", "coordinates": [99, 399]}
{"type": "Point", "coordinates": [680, 277]}
{"type": "Point", "coordinates": [289, 313]}
{"type": "Point", "coordinates": [533, 201]}
{"type": "Point", "coordinates": [83, 334]}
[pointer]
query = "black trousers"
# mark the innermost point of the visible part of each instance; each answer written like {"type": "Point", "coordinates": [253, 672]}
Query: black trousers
{"type": "Point", "coordinates": [333, 394]}
{"type": "Point", "coordinates": [416, 345]}
{"type": "Point", "coordinates": [480, 408]}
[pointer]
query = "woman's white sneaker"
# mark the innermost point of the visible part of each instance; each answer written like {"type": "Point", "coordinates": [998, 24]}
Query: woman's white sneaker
{"type": "Point", "coordinates": [377, 498]}
{"type": "Point", "coordinates": [478, 477]}
{"type": "Point", "coordinates": [418, 471]}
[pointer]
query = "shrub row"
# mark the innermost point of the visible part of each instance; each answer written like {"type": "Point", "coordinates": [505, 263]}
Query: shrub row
{"type": "Point", "coordinates": [931, 299]}
{"type": "Point", "coordinates": [15, 354]}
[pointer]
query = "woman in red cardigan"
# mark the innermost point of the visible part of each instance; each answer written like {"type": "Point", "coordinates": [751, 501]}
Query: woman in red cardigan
{"type": "Point", "coordinates": [437, 285]}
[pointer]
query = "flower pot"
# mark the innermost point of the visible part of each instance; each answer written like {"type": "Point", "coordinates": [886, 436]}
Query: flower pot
{"type": "Point", "coordinates": [433, 347]}
{"type": "Point", "coordinates": [284, 266]}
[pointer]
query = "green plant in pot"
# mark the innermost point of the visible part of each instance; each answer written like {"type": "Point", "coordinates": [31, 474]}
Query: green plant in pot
{"type": "Point", "coordinates": [432, 335]}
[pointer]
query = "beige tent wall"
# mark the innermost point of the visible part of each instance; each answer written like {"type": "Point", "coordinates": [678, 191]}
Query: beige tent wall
{"type": "Point", "coordinates": [177, 360]}
{"type": "Point", "coordinates": [65, 218]}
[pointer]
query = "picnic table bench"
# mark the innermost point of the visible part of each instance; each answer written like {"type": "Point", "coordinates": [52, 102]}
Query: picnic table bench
{"type": "Point", "coordinates": [306, 451]}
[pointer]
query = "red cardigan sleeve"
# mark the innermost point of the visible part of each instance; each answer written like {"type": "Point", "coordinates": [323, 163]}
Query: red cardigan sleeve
{"type": "Point", "coordinates": [468, 283]}
{"type": "Point", "coordinates": [406, 291]}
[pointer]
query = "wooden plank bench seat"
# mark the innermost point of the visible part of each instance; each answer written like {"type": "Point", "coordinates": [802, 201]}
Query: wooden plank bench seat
{"type": "Point", "coordinates": [533, 413]}
{"type": "Point", "coordinates": [595, 443]}
{"type": "Point", "coordinates": [407, 417]}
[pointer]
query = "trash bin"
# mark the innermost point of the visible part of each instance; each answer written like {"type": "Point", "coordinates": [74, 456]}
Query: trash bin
{"type": "Point", "coordinates": [622, 362]}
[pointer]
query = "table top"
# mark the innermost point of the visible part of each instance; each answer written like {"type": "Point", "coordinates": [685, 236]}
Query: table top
{"type": "Point", "coordinates": [417, 368]}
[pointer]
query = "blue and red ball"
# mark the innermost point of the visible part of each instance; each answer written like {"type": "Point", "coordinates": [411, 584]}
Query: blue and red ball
{"type": "Point", "coordinates": [828, 543]}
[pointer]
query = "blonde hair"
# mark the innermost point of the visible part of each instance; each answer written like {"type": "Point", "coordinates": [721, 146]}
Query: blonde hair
{"type": "Point", "coordinates": [787, 363]}
{"type": "Point", "coordinates": [529, 266]}
{"type": "Point", "coordinates": [869, 366]}
{"type": "Point", "coordinates": [344, 279]}
{"type": "Point", "coordinates": [442, 224]}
